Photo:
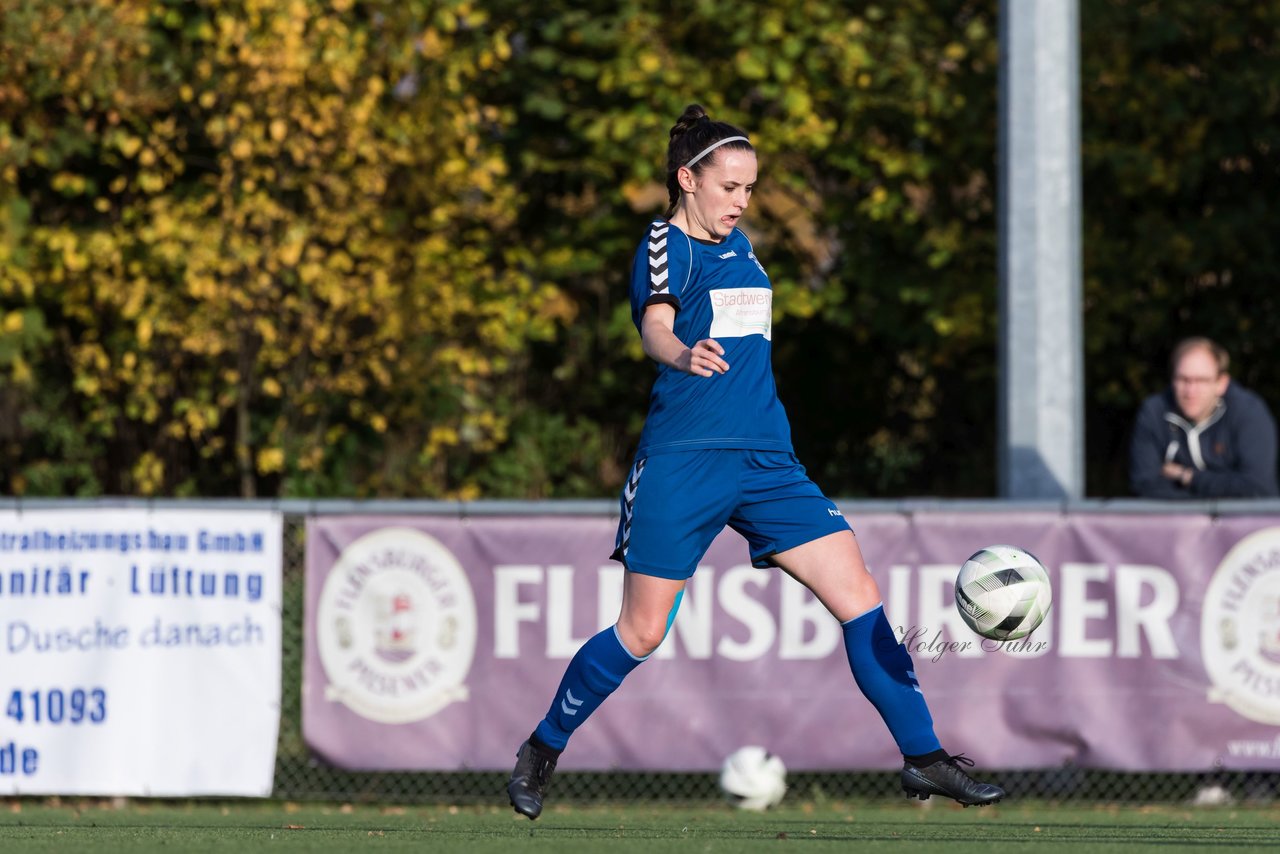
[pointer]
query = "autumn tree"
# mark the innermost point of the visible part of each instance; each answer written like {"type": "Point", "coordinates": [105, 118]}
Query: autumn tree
{"type": "Point", "coordinates": [258, 247]}
{"type": "Point", "coordinates": [374, 249]}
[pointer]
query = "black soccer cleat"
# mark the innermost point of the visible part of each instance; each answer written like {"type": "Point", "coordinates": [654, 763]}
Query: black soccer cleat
{"type": "Point", "coordinates": [946, 778]}
{"type": "Point", "coordinates": [530, 779]}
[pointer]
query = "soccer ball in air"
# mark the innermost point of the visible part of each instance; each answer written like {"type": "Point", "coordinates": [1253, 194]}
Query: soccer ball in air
{"type": "Point", "coordinates": [1003, 592]}
{"type": "Point", "coordinates": [753, 778]}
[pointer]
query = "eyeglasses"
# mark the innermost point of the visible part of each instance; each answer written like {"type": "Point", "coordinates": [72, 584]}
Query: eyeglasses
{"type": "Point", "coordinates": [1183, 379]}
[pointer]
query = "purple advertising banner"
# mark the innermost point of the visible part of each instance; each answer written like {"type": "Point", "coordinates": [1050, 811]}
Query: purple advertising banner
{"type": "Point", "coordinates": [436, 643]}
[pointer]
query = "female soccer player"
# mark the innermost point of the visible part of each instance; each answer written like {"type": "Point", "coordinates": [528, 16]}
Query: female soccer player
{"type": "Point", "coordinates": [715, 451]}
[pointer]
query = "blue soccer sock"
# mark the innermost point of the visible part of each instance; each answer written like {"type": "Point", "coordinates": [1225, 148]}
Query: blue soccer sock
{"type": "Point", "coordinates": [883, 670]}
{"type": "Point", "coordinates": [595, 672]}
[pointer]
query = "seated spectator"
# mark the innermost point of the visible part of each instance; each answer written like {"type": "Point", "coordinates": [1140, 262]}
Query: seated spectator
{"type": "Point", "coordinates": [1205, 436]}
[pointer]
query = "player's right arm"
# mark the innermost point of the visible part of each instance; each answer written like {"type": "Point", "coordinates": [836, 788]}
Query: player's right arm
{"type": "Point", "coordinates": [657, 332]}
{"type": "Point", "coordinates": [659, 273]}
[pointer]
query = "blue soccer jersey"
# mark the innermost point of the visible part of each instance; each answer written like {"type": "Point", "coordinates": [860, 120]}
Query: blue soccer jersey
{"type": "Point", "coordinates": [720, 291]}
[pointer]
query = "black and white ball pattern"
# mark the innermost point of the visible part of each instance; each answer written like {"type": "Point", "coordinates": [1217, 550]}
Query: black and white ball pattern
{"type": "Point", "coordinates": [1003, 592]}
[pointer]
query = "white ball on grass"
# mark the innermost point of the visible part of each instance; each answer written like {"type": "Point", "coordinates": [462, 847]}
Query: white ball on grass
{"type": "Point", "coordinates": [753, 778]}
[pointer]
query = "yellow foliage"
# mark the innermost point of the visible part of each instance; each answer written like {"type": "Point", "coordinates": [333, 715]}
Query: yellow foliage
{"type": "Point", "coordinates": [128, 145]}
{"type": "Point", "coordinates": [148, 474]}
{"type": "Point", "coordinates": [20, 372]}
{"type": "Point", "coordinates": [440, 438]}
{"type": "Point", "coordinates": [276, 227]}
{"type": "Point", "coordinates": [466, 492]}
{"type": "Point", "coordinates": [270, 460]}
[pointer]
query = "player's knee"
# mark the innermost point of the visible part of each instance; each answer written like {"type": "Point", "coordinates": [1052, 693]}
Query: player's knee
{"type": "Point", "coordinates": [649, 640]}
{"type": "Point", "coordinates": [857, 596]}
{"type": "Point", "coordinates": [641, 639]}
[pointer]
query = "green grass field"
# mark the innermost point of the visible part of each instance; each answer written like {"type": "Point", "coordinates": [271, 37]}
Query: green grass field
{"type": "Point", "coordinates": [141, 826]}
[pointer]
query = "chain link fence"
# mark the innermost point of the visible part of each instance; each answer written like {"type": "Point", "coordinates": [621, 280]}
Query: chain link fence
{"type": "Point", "coordinates": [301, 776]}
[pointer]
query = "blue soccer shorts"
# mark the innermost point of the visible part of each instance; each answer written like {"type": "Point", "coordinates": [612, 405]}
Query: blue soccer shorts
{"type": "Point", "coordinates": [674, 505]}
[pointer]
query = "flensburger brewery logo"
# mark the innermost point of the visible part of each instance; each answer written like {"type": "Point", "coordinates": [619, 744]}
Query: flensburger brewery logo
{"type": "Point", "coordinates": [396, 627]}
{"type": "Point", "coordinates": [1240, 628]}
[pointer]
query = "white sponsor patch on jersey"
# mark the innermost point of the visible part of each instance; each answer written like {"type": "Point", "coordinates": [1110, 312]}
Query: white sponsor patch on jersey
{"type": "Point", "coordinates": [739, 312]}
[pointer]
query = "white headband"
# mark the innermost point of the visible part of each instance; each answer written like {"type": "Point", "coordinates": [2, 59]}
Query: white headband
{"type": "Point", "coordinates": [713, 146]}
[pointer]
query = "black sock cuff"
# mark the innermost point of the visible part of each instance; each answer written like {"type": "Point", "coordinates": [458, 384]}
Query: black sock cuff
{"type": "Point", "coordinates": [926, 759]}
{"type": "Point", "coordinates": [543, 748]}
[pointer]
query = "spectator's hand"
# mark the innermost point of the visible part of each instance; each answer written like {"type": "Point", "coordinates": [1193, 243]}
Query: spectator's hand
{"type": "Point", "coordinates": [1178, 474]}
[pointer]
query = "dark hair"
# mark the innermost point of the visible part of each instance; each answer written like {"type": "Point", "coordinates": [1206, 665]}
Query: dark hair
{"type": "Point", "coordinates": [1186, 345]}
{"type": "Point", "coordinates": [691, 133]}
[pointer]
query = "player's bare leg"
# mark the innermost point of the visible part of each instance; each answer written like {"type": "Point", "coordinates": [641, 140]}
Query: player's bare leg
{"type": "Point", "coordinates": [833, 569]}
{"type": "Point", "coordinates": [647, 602]}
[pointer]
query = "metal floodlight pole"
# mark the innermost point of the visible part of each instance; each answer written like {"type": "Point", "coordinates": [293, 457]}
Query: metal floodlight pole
{"type": "Point", "coordinates": [1041, 401]}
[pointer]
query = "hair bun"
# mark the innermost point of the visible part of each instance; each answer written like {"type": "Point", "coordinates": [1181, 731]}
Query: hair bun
{"type": "Point", "coordinates": [693, 115]}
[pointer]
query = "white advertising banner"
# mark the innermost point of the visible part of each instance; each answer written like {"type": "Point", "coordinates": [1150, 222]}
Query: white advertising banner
{"type": "Point", "coordinates": [140, 651]}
